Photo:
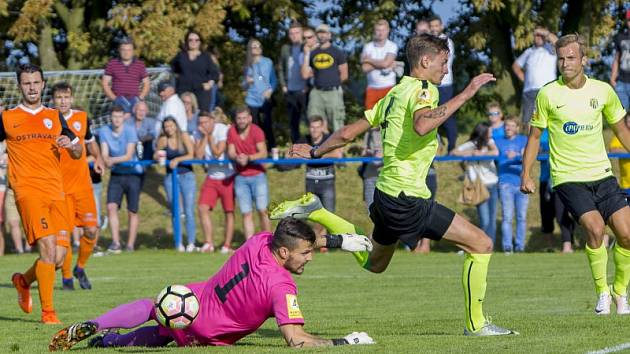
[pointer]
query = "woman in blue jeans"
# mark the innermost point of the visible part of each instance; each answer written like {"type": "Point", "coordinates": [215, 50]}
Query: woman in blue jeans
{"type": "Point", "coordinates": [513, 202]}
{"type": "Point", "coordinates": [481, 144]}
{"type": "Point", "coordinates": [260, 82]}
{"type": "Point", "coordinates": [178, 147]}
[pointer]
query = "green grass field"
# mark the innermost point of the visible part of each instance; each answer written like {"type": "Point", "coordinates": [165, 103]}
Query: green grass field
{"type": "Point", "coordinates": [415, 306]}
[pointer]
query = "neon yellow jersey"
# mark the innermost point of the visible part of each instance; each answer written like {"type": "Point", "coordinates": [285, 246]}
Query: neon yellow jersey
{"type": "Point", "coordinates": [577, 152]}
{"type": "Point", "coordinates": [407, 156]}
{"type": "Point", "coordinates": [624, 164]}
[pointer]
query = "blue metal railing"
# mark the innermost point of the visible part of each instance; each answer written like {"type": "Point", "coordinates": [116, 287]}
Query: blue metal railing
{"type": "Point", "coordinates": [175, 208]}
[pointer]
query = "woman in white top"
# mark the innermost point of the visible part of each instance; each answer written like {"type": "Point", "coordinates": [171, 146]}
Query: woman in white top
{"type": "Point", "coordinates": [481, 144]}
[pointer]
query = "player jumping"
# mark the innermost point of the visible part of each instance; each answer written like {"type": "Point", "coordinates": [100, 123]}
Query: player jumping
{"type": "Point", "coordinates": [409, 116]}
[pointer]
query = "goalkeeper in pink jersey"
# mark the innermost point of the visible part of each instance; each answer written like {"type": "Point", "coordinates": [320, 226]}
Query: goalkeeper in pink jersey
{"type": "Point", "coordinates": [252, 286]}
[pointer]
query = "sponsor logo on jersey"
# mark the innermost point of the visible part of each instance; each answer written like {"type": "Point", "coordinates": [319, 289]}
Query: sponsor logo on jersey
{"type": "Point", "coordinates": [77, 126]}
{"type": "Point", "coordinates": [572, 128]}
{"type": "Point", "coordinates": [323, 61]}
{"type": "Point", "coordinates": [424, 96]}
{"type": "Point", "coordinates": [48, 123]}
{"type": "Point", "coordinates": [293, 309]}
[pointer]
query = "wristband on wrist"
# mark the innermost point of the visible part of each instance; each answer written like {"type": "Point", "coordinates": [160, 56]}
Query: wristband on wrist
{"type": "Point", "coordinates": [333, 241]}
{"type": "Point", "coordinates": [339, 341]}
{"type": "Point", "coordinates": [313, 149]}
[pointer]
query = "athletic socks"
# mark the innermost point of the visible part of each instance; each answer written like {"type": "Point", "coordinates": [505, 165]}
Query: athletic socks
{"type": "Point", "coordinates": [129, 315]}
{"type": "Point", "coordinates": [337, 225]}
{"type": "Point", "coordinates": [86, 246]}
{"type": "Point", "coordinates": [45, 274]}
{"type": "Point", "coordinates": [598, 259]}
{"type": "Point", "coordinates": [622, 270]}
{"type": "Point", "coordinates": [66, 268]}
{"type": "Point", "coordinates": [474, 283]}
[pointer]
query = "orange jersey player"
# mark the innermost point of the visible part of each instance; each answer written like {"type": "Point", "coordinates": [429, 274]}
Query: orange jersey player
{"type": "Point", "coordinates": [36, 136]}
{"type": "Point", "coordinates": [78, 186]}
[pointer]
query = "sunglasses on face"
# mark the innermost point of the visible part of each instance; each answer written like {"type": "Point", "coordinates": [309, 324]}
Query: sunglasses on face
{"type": "Point", "coordinates": [309, 37]}
{"type": "Point", "coordinates": [193, 39]}
{"type": "Point", "coordinates": [494, 113]}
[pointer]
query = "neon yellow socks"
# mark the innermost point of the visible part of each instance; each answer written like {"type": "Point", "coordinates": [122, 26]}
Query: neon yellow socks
{"type": "Point", "coordinates": [598, 259]}
{"type": "Point", "coordinates": [622, 270]}
{"type": "Point", "coordinates": [474, 283]}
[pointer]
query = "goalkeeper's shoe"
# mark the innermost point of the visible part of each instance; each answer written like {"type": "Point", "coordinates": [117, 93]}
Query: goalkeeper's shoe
{"type": "Point", "coordinates": [490, 329]}
{"type": "Point", "coordinates": [69, 336]}
{"type": "Point", "coordinates": [23, 292]}
{"type": "Point", "coordinates": [300, 208]}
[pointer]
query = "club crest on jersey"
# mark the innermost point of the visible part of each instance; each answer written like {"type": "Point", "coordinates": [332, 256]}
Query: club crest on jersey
{"type": "Point", "coordinates": [48, 123]}
{"type": "Point", "coordinates": [593, 103]}
{"type": "Point", "coordinates": [424, 96]}
{"type": "Point", "coordinates": [77, 126]}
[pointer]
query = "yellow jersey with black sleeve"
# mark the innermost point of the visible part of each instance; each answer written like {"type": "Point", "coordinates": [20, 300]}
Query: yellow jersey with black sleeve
{"type": "Point", "coordinates": [577, 152]}
{"type": "Point", "coordinates": [407, 155]}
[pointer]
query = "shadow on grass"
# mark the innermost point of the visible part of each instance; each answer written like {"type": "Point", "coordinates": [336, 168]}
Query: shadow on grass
{"type": "Point", "coordinates": [14, 319]}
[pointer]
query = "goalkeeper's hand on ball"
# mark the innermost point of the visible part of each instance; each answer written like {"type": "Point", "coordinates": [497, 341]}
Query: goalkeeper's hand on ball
{"type": "Point", "coordinates": [359, 338]}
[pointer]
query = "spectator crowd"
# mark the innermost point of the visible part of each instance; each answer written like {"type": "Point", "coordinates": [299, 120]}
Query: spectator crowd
{"type": "Point", "coordinates": [309, 73]}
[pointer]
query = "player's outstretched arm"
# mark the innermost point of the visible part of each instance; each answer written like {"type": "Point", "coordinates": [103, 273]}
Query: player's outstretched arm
{"type": "Point", "coordinates": [425, 120]}
{"type": "Point", "coordinates": [338, 139]}
{"type": "Point", "coordinates": [345, 242]}
{"type": "Point", "coordinates": [529, 156]}
{"type": "Point", "coordinates": [296, 337]}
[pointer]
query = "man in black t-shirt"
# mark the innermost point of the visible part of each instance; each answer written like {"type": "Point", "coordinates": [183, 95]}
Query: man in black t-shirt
{"type": "Point", "coordinates": [620, 73]}
{"type": "Point", "coordinates": [328, 66]}
{"type": "Point", "coordinates": [320, 177]}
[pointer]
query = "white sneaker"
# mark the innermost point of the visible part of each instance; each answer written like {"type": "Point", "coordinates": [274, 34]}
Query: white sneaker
{"type": "Point", "coordinates": [603, 304]}
{"type": "Point", "coordinates": [207, 248]}
{"type": "Point", "coordinates": [226, 250]}
{"type": "Point", "coordinates": [490, 329]}
{"type": "Point", "coordinates": [190, 248]}
{"type": "Point", "coordinates": [181, 248]}
{"type": "Point", "coordinates": [622, 303]}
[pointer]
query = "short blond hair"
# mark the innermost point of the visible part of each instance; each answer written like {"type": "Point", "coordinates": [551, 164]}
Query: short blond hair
{"type": "Point", "coordinates": [572, 38]}
{"type": "Point", "coordinates": [382, 22]}
{"type": "Point", "coordinates": [513, 118]}
{"type": "Point", "coordinates": [494, 104]}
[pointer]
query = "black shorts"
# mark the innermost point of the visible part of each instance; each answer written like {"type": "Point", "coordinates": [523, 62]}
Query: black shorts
{"type": "Point", "coordinates": [407, 219]}
{"type": "Point", "coordinates": [128, 185]}
{"type": "Point", "coordinates": [604, 195]}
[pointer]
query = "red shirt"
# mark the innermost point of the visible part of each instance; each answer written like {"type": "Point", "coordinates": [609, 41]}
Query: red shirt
{"type": "Point", "coordinates": [126, 79]}
{"type": "Point", "coordinates": [247, 146]}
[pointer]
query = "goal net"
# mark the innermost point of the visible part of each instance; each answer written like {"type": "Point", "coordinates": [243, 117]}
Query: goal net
{"type": "Point", "coordinates": [88, 93]}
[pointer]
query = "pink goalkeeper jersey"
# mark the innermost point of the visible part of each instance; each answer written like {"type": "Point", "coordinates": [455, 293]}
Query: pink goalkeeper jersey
{"type": "Point", "coordinates": [249, 288]}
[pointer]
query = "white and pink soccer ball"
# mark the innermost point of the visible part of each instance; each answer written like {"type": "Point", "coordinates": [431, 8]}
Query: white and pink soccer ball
{"type": "Point", "coordinates": [176, 307]}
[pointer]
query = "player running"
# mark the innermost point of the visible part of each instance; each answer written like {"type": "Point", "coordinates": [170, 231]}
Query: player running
{"type": "Point", "coordinates": [408, 117]}
{"type": "Point", "coordinates": [571, 108]}
{"type": "Point", "coordinates": [254, 284]}
{"type": "Point", "coordinates": [35, 135]}
{"type": "Point", "coordinates": [78, 186]}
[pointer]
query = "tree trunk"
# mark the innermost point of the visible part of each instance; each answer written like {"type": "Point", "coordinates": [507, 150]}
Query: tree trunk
{"type": "Point", "coordinates": [47, 55]}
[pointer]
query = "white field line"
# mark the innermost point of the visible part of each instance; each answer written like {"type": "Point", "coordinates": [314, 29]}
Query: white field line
{"type": "Point", "coordinates": [616, 348]}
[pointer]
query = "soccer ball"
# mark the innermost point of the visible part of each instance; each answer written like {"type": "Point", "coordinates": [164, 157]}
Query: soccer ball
{"type": "Point", "coordinates": [176, 307]}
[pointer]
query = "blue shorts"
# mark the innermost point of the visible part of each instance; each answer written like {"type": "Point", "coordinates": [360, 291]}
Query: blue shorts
{"type": "Point", "coordinates": [250, 189]}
